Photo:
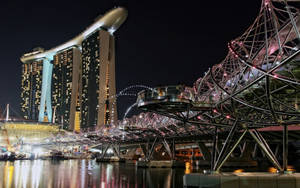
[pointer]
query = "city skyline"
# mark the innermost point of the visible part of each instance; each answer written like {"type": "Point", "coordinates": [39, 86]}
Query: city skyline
{"type": "Point", "coordinates": [158, 45]}
{"type": "Point", "coordinates": [199, 115]}
{"type": "Point", "coordinates": [73, 84]}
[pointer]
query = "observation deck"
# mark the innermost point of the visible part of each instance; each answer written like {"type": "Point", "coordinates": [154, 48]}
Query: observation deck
{"type": "Point", "coordinates": [178, 98]}
{"type": "Point", "coordinates": [111, 21]}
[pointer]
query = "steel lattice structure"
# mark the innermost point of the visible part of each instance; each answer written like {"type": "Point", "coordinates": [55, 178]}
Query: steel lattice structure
{"type": "Point", "coordinates": [259, 76]}
{"type": "Point", "coordinates": [256, 85]}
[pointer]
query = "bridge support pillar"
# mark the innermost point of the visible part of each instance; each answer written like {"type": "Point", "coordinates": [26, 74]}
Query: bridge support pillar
{"type": "Point", "coordinates": [173, 149]}
{"type": "Point", "coordinates": [219, 164]}
{"type": "Point", "coordinates": [104, 150]}
{"type": "Point", "coordinates": [214, 149]}
{"type": "Point", "coordinates": [168, 149]}
{"type": "Point", "coordinates": [116, 150]}
{"type": "Point", "coordinates": [220, 160]}
{"type": "Point", "coordinates": [285, 148]}
{"type": "Point", "coordinates": [265, 147]}
{"type": "Point", "coordinates": [150, 152]}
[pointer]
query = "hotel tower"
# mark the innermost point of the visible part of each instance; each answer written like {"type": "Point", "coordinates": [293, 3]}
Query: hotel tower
{"type": "Point", "coordinates": [73, 84]}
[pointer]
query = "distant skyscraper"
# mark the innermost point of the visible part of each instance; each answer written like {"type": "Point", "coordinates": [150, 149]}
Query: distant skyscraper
{"type": "Point", "coordinates": [74, 84]}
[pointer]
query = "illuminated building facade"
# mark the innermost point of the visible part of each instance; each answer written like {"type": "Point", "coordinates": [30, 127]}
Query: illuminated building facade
{"type": "Point", "coordinates": [98, 80]}
{"type": "Point", "coordinates": [74, 84]}
{"type": "Point", "coordinates": [31, 84]}
{"type": "Point", "coordinates": [65, 86]}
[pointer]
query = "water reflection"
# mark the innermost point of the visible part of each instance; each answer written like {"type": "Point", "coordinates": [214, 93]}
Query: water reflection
{"type": "Point", "coordinates": [85, 173]}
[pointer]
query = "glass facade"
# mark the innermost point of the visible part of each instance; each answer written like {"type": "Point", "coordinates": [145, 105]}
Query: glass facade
{"type": "Point", "coordinates": [62, 86]}
{"type": "Point", "coordinates": [90, 81]}
{"type": "Point", "coordinates": [31, 87]}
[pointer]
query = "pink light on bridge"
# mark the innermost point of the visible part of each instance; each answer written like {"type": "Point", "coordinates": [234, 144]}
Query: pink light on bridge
{"type": "Point", "coordinates": [267, 2]}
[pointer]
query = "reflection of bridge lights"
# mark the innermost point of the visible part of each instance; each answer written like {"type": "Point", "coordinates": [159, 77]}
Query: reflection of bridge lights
{"type": "Point", "coordinates": [227, 116]}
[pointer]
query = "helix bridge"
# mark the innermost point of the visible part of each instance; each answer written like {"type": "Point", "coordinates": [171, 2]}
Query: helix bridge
{"type": "Point", "coordinates": [253, 90]}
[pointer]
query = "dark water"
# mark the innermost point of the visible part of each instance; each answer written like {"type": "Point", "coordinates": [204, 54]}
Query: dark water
{"type": "Point", "coordinates": [86, 173]}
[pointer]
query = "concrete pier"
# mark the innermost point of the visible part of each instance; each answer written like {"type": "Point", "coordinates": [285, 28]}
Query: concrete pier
{"type": "Point", "coordinates": [242, 180]}
{"type": "Point", "coordinates": [241, 164]}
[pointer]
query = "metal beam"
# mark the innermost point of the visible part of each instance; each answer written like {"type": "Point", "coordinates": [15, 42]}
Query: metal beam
{"type": "Point", "coordinates": [285, 148]}
{"type": "Point", "coordinates": [144, 149]}
{"type": "Point", "coordinates": [151, 150]}
{"type": "Point", "coordinates": [292, 20]}
{"type": "Point", "coordinates": [229, 153]}
{"type": "Point", "coordinates": [226, 144]}
{"type": "Point", "coordinates": [116, 150]}
{"type": "Point", "coordinates": [266, 151]}
{"type": "Point", "coordinates": [204, 151]}
{"type": "Point", "coordinates": [261, 138]}
{"type": "Point", "coordinates": [173, 149]}
{"type": "Point", "coordinates": [167, 147]}
{"type": "Point", "coordinates": [105, 150]}
{"type": "Point", "coordinates": [214, 152]}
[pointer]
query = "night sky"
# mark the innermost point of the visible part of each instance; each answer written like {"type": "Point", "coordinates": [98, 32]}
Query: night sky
{"type": "Point", "coordinates": [160, 43]}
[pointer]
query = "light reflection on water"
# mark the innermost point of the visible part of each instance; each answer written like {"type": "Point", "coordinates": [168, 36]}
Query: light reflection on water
{"type": "Point", "coordinates": [88, 173]}
{"type": "Point", "coordinates": [85, 173]}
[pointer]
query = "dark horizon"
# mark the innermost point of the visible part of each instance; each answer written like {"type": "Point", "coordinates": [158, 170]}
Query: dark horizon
{"type": "Point", "coordinates": [160, 43]}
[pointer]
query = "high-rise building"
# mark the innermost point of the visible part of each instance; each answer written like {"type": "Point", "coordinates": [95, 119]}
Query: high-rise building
{"type": "Point", "coordinates": [31, 85]}
{"type": "Point", "coordinates": [65, 86]}
{"type": "Point", "coordinates": [98, 67]}
{"type": "Point", "coordinates": [74, 84]}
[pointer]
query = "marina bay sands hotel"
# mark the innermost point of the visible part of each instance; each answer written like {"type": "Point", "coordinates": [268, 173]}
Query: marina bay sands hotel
{"type": "Point", "coordinates": [73, 84]}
